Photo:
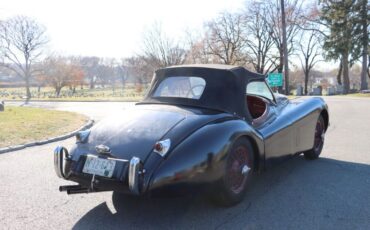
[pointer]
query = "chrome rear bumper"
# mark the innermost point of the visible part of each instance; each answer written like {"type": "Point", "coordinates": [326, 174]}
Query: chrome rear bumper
{"type": "Point", "coordinates": [135, 171]}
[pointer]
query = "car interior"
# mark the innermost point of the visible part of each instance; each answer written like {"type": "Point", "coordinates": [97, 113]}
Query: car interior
{"type": "Point", "coordinates": [257, 106]}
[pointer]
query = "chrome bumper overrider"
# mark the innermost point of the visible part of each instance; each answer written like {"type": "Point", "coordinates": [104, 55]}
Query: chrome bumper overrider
{"type": "Point", "coordinates": [135, 172]}
{"type": "Point", "coordinates": [60, 155]}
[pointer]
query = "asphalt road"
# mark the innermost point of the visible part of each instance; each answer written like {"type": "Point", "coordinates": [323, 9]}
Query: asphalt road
{"type": "Point", "coordinates": [330, 193]}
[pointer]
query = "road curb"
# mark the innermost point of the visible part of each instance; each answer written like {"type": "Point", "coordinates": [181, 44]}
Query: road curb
{"type": "Point", "coordinates": [87, 125]}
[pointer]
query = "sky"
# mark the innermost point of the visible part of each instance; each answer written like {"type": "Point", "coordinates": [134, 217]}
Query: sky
{"type": "Point", "coordinates": [113, 28]}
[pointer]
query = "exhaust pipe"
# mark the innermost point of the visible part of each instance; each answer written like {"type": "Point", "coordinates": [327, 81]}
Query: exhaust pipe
{"type": "Point", "coordinates": [69, 187]}
{"type": "Point", "coordinates": [77, 191]}
{"type": "Point", "coordinates": [73, 189]}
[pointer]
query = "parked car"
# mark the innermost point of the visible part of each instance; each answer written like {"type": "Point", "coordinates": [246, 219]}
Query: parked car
{"type": "Point", "coordinates": [199, 127]}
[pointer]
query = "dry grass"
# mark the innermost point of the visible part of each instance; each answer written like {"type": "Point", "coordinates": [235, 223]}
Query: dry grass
{"type": "Point", "coordinates": [19, 125]}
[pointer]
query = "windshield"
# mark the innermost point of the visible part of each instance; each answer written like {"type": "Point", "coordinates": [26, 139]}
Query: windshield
{"type": "Point", "coordinates": [181, 86]}
{"type": "Point", "coordinates": [259, 88]}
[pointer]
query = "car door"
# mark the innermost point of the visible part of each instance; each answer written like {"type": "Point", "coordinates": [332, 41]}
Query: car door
{"type": "Point", "coordinates": [278, 134]}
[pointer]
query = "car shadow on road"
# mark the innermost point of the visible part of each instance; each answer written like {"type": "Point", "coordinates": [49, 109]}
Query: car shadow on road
{"type": "Point", "coordinates": [324, 193]}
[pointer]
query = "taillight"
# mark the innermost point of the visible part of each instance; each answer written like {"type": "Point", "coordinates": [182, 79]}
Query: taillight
{"type": "Point", "coordinates": [162, 147]}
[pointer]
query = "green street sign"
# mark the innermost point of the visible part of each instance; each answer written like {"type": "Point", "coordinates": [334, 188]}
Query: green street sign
{"type": "Point", "coordinates": [275, 79]}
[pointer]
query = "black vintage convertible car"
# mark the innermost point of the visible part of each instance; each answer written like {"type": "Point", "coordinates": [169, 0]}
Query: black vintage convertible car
{"type": "Point", "coordinates": [200, 126]}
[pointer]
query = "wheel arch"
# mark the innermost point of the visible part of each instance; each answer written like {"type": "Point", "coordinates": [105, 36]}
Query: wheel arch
{"type": "Point", "coordinates": [258, 164]}
{"type": "Point", "coordinates": [325, 115]}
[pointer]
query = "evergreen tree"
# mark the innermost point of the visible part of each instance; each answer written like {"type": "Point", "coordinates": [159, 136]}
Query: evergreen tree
{"type": "Point", "coordinates": [340, 18]}
{"type": "Point", "coordinates": [361, 37]}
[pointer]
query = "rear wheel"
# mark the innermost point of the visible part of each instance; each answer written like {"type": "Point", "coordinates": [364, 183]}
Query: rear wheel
{"type": "Point", "coordinates": [238, 171]}
{"type": "Point", "coordinates": [314, 153]}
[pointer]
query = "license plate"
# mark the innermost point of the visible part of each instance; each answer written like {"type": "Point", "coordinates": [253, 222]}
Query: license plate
{"type": "Point", "coordinates": [99, 166]}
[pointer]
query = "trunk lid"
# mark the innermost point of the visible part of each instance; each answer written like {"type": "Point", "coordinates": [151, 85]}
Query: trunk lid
{"type": "Point", "coordinates": [133, 133]}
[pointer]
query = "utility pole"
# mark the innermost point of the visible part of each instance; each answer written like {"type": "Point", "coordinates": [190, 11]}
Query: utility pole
{"type": "Point", "coordinates": [285, 48]}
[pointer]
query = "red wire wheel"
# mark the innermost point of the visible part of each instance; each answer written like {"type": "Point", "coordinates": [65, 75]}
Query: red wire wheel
{"type": "Point", "coordinates": [238, 167]}
{"type": "Point", "coordinates": [319, 135]}
{"type": "Point", "coordinates": [318, 140]}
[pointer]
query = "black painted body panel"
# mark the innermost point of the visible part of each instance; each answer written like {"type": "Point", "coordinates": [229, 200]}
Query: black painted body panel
{"type": "Point", "coordinates": [135, 131]}
{"type": "Point", "coordinates": [291, 128]}
{"type": "Point", "coordinates": [201, 157]}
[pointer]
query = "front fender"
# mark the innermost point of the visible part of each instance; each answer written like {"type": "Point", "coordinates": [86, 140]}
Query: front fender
{"type": "Point", "coordinates": [200, 158]}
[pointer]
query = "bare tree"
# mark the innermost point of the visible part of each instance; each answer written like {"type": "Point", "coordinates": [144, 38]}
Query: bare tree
{"type": "Point", "coordinates": [21, 43]}
{"type": "Point", "coordinates": [310, 43]}
{"type": "Point", "coordinates": [292, 13]}
{"type": "Point", "coordinates": [111, 72]}
{"type": "Point", "coordinates": [137, 69]}
{"type": "Point", "coordinates": [122, 72]}
{"type": "Point", "coordinates": [160, 50]}
{"type": "Point", "coordinates": [259, 40]}
{"type": "Point", "coordinates": [226, 38]}
{"type": "Point", "coordinates": [59, 72]}
{"type": "Point", "coordinates": [309, 53]}
{"type": "Point", "coordinates": [108, 72]}
{"type": "Point", "coordinates": [90, 67]}
{"type": "Point", "coordinates": [77, 73]}
{"type": "Point", "coordinates": [197, 49]}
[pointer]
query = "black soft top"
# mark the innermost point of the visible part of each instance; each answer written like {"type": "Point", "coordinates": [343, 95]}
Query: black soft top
{"type": "Point", "coordinates": [224, 91]}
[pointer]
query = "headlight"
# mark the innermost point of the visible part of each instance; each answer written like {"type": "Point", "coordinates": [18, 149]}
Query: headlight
{"type": "Point", "coordinates": [82, 136]}
{"type": "Point", "coordinates": [162, 147]}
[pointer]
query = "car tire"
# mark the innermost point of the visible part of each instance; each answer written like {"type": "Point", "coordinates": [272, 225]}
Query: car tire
{"type": "Point", "coordinates": [315, 152]}
{"type": "Point", "coordinates": [238, 172]}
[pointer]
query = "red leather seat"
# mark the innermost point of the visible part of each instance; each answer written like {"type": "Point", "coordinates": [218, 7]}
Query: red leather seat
{"type": "Point", "coordinates": [256, 106]}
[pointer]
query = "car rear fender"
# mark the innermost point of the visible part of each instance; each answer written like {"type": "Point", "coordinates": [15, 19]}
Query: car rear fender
{"type": "Point", "coordinates": [200, 158]}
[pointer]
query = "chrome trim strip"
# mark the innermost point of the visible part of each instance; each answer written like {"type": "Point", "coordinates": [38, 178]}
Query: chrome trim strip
{"type": "Point", "coordinates": [133, 175]}
{"type": "Point", "coordinates": [115, 159]}
{"type": "Point", "coordinates": [108, 158]}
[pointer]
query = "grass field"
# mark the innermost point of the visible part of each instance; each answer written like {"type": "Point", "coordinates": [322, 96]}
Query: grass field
{"type": "Point", "coordinates": [129, 93]}
{"type": "Point", "coordinates": [19, 125]}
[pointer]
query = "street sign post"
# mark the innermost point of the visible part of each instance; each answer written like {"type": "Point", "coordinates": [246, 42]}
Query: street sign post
{"type": "Point", "coordinates": [275, 79]}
